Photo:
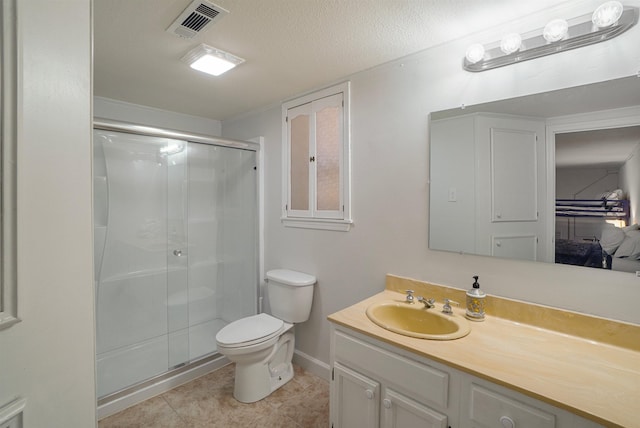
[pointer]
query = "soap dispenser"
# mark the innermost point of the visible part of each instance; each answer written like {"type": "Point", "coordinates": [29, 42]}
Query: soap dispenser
{"type": "Point", "coordinates": [475, 302]}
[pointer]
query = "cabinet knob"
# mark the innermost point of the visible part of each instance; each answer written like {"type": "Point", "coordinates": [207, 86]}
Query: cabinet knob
{"type": "Point", "coordinates": [369, 394]}
{"type": "Point", "coordinates": [386, 403]}
{"type": "Point", "coordinates": [507, 422]}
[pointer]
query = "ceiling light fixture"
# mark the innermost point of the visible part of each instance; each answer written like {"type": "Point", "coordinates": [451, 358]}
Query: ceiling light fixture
{"type": "Point", "coordinates": [608, 21]}
{"type": "Point", "coordinates": [211, 60]}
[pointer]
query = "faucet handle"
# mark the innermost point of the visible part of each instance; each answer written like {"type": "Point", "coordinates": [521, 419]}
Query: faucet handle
{"type": "Point", "coordinates": [409, 298]}
{"type": "Point", "coordinates": [446, 308]}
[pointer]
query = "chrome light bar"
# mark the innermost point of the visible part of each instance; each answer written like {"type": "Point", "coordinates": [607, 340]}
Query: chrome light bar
{"type": "Point", "coordinates": [578, 35]}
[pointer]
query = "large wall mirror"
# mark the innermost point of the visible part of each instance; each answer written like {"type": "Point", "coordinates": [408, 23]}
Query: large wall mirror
{"type": "Point", "coordinates": [551, 177]}
{"type": "Point", "coordinates": [8, 121]}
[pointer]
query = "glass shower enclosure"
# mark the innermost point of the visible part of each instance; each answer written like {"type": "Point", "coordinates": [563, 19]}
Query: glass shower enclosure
{"type": "Point", "coordinates": [176, 251]}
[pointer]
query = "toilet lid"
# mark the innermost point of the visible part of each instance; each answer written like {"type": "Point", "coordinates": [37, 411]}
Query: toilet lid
{"type": "Point", "coordinates": [245, 331]}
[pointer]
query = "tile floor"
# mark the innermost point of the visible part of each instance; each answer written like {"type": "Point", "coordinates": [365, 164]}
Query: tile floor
{"type": "Point", "coordinates": [208, 402]}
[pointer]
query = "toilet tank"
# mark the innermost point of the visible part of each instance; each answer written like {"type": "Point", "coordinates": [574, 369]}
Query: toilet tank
{"type": "Point", "coordinates": [290, 294]}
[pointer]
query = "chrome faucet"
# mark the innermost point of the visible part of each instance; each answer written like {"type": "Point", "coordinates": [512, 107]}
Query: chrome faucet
{"type": "Point", "coordinates": [446, 308]}
{"type": "Point", "coordinates": [428, 303]}
{"type": "Point", "coordinates": [409, 298]}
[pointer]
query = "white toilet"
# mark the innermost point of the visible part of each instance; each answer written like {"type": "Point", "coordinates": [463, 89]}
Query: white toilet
{"type": "Point", "coordinates": [262, 345]}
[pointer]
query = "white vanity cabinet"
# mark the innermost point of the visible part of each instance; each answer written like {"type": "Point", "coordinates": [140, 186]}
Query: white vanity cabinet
{"type": "Point", "coordinates": [375, 384]}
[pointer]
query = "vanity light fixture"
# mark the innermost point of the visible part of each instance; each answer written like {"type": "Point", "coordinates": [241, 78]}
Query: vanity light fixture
{"type": "Point", "coordinates": [607, 14]}
{"type": "Point", "coordinates": [608, 21]}
{"type": "Point", "coordinates": [211, 60]}
{"type": "Point", "coordinates": [511, 43]}
{"type": "Point", "coordinates": [475, 53]}
{"type": "Point", "coordinates": [555, 30]}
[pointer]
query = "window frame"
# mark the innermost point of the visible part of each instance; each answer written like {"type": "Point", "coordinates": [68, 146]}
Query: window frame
{"type": "Point", "coordinates": [340, 220]}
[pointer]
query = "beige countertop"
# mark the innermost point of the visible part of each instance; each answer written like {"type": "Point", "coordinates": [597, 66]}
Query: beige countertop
{"type": "Point", "coordinates": [595, 380]}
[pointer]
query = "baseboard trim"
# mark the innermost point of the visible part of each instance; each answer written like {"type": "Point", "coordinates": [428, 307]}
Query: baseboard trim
{"type": "Point", "coordinates": [312, 365]}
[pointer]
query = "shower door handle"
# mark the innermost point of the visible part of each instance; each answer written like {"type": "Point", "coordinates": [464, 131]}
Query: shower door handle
{"type": "Point", "coordinates": [177, 253]}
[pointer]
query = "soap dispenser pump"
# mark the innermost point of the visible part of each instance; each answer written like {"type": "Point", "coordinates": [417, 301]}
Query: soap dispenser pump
{"type": "Point", "coordinates": [475, 302]}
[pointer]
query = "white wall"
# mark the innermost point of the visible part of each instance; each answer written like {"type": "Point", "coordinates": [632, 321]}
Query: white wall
{"type": "Point", "coordinates": [585, 183]}
{"type": "Point", "coordinates": [453, 141]}
{"type": "Point", "coordinates": [390, 107]}
{"type": "Point", "coordinates": [48, 358]}
{"type": "Point", "coordinates": [106, 108]}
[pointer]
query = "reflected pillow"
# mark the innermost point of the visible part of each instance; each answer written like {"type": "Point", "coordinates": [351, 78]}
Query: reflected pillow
{"type": "Point", "coordinates": [611, 238]}
{"type": "Point", "coordinates": [630, 247]}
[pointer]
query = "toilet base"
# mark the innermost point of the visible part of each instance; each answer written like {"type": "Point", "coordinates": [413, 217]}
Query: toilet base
{"type": "Point", "coordinates": [257, 380]}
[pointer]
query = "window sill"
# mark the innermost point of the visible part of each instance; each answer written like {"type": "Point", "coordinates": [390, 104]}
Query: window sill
{"type": "Point", "coordinates": [318, 223]}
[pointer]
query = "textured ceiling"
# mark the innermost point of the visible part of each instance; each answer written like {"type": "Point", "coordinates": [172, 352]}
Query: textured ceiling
{"type": "Point", "coordinates": [290, 46]}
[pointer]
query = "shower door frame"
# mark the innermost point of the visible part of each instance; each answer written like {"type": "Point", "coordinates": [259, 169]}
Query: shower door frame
{"type": "Point", "coordinates": [120, 400]}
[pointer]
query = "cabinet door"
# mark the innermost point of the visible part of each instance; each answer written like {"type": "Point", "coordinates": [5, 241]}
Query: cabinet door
{"type": "Point", "coordinates": [403, 412]}
{"type": "Point", "coordinates": [355, 399]}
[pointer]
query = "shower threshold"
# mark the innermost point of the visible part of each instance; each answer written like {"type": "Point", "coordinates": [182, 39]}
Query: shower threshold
{"type": "Point", "coordinates": [176, 376]}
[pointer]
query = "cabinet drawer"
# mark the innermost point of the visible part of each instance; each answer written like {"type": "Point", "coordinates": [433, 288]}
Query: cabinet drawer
{"type": "Point", "coordinates": [490, 409]}
{"type": "Point", "coordinates": [418, 381]}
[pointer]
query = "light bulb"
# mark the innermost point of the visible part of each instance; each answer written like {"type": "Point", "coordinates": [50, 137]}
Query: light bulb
{"type": "Point", "coordinates": [475, 53]}
{"type": "Point", "coordinates": [555, 30]}
{"type": "Point", "coordinates": [607, 14]}
{"type": "Point", "coordinates": [510, 43]}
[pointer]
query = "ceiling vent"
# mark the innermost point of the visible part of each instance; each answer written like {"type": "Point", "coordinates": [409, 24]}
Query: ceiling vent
{"type": "Point", "coordinates": [196, 19]}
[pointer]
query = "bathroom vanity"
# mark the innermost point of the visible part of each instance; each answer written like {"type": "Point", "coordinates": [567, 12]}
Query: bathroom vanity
{"type": "Point", "coordinates": [505, 373]}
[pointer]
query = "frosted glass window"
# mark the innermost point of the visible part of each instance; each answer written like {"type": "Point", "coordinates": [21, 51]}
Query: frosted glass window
{"type": "Point", "coordinates": [328, 158]}
{"type": "Point", "coordinates": [300, 163]}
{"type": "Point", "coordinates": [315, 161]}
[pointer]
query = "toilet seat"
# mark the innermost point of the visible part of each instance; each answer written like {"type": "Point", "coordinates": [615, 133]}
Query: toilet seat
{"type": "Point", "coordinates": [249, 331]}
